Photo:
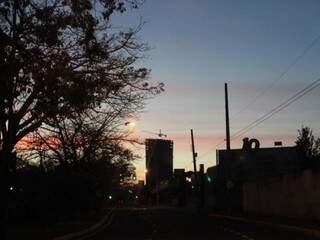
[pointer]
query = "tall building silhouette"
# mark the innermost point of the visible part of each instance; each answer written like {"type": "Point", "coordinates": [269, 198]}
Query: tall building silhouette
{"type": "Point", "coordinates": [159, 161]}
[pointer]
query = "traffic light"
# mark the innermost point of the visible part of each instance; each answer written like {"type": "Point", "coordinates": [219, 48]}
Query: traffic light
{"type": "Point", "coordinates": [209, 179]}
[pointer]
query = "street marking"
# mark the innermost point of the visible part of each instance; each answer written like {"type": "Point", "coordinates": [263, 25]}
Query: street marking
{"type": "Point", "coordinates": [90, 235]}
{"type": "Point", "coordinates": [91, 231]}
{"type": "Point", "coordinates": [244, 236]}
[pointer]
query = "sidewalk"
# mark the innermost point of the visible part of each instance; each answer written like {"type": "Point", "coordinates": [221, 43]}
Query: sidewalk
{"type": "Point", "coordinates": [305, 226]}
{"type": "Point", "coordinates": [297, 222]}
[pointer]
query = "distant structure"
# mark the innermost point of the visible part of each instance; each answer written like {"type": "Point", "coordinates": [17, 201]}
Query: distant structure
{"type": "Point", "coordinates": [278, 143]}
{"type": "Point", "coordinates": [247, 143]}
{"type": "Point", "coordinates": [237, 167]}
{"type": "Point", "coordinates": [257, 163]}
{"type": "Point", "coordinates": [140, 183]}
{"type": "Point", "coordinates": [180, 186]}
{"type": "Point", "coordinates": [159, 162]}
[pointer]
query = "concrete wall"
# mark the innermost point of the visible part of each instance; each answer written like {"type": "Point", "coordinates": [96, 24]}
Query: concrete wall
{"type": "Point", "coordinates": [249, 165]}
{"type": "Point", "coordinates": [292, 195]}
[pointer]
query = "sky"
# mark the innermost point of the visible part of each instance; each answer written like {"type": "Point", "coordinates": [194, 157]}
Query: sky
{"type": "Point", "coordinates": [269, 46]}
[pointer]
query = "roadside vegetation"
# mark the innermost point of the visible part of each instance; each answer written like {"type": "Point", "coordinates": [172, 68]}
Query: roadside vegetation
{"type": "Point", "coordinates": [69, 82]}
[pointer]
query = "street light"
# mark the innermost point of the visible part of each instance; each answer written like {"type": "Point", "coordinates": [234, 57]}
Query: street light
{"type": "Point", "coordinates": [130, 124]}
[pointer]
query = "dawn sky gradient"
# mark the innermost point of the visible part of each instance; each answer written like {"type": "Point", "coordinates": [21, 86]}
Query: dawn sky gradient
{"type": "Point", "coordinates": [198, 45]}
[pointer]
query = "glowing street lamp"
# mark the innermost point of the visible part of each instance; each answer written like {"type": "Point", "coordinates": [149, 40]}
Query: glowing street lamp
{"type": "Point", "coordinates": [130, 124]}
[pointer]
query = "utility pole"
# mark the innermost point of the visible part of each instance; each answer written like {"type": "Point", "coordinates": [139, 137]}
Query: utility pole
{"type": "Point", "coordinates": [227, 116]}
{"type": "Point", "coordinates": [194, 155]}
{"type": "Point", "coordinates": [158, 194]}
{"type": "Point", "coordinates": [227, 173]}
{"type": "Point", "coordinates": [202, 185]}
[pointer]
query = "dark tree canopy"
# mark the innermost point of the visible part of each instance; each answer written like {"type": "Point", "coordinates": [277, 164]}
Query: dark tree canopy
{"type": "Point", "coordinates": [308, 145]}
{"type": "Point", "coordinates": [82, 159]}
{"type": "Point", "coordinates": [59, 58]}
{"type": "Point", "coordinates": [62, 56]}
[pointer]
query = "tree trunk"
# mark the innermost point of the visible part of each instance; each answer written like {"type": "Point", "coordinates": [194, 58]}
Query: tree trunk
{"type": "Point", "coordinates": [5, 154]}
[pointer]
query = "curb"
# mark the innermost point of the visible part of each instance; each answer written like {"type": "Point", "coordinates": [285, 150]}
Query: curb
{"type": "Point", "coordinates": [306, 231]}
{"type": "Point", "coordinates": [83, 234]}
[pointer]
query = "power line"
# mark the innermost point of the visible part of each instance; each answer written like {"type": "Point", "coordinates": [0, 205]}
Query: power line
{"type": "Point", "coordinates": [259, 95]}
{"type": "Point", "coordinates": [277, 109]}
{"type": "Point", "coordinates": [286, 70]}
{"type": "Point", "coordinates": [187, 165]}
{"type": "Point", "coordinates": [269, 114]}
{"type": "Point", "coordinates": [206, 153]}
{"type": "Point", "coordinates": [212, 149]}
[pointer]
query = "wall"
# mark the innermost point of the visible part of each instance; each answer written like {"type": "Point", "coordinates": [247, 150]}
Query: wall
{"type": "Point", "coordinates": [238, 166]}
{"type": "Point", "coordinates": [249, 165]}
{"type": "Point", "coordinates": [291, 195]}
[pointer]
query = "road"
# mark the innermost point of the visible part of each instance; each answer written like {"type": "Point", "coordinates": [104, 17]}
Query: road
{"type": "Point", "coordinates": [156, 224]}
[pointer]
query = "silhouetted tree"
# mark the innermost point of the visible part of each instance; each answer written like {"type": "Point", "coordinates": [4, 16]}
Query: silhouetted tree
{"type": "Point", "coordinates": [71, 188]}
{"type": "Point", "coordinates": [82, 158]}
{"type": "Point", "coordinates": [81, 137]}
{"type": "Point", "coordinates": [62, 56]}
{"type": "Point", "coordinates": [309, 146]}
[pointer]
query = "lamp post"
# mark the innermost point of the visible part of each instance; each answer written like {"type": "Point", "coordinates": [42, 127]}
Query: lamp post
{"type": "Point", "coordinates": [130, 124]}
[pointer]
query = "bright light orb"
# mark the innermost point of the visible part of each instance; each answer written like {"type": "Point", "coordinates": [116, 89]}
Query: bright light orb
{"type": "Point", "coordinates": [130, 124]}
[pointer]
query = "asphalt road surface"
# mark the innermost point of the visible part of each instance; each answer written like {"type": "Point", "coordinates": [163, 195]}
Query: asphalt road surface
{"type": "Point", "coordinates": [156, 224]}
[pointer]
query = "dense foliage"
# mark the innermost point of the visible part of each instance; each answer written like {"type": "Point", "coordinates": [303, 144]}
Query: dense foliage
{"type": "Point", "coordinates": [69, 80]}
{"type": "Point", "coordinates": [309, 147]}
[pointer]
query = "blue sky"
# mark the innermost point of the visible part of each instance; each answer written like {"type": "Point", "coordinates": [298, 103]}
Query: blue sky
{"type": "Point", "coordinates": [198, 45]}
